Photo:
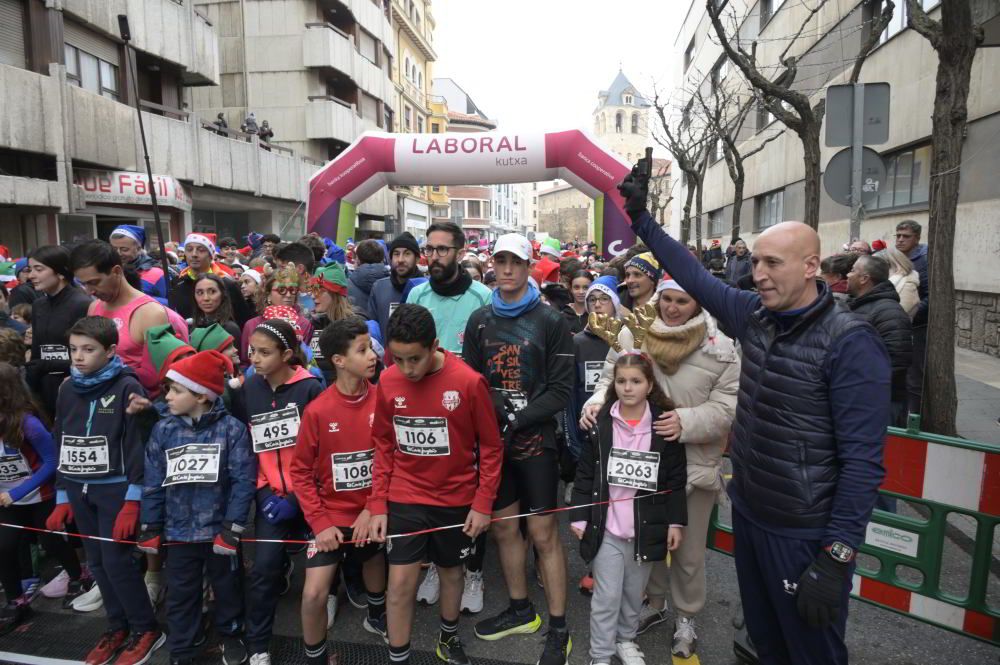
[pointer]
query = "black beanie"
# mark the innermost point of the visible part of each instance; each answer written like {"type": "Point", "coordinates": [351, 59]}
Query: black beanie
{"type": "Point", "coordinates": [405, 240]}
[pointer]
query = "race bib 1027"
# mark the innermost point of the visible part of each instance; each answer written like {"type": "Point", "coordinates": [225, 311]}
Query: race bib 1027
{"type": "Point", "coordinates": [352, 471]}
{"type": "Point", "coordinates": [193, 463]}
{"type": "Point", "coordinates": [84, 455]}
{"type": "Point", "coordinates": [425, 437]}
{"type": "Point", "coordinates": [634, 469]}
{"type": "Point", "coordinates": [275, 429]}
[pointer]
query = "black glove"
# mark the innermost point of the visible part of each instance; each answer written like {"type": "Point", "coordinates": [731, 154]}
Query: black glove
{"type": "Point", "coordinates": [635, 192]}
{"type": "Point", "coordinates": [821, 590]}
{"type": "Point", "coordinates": [505, 413]}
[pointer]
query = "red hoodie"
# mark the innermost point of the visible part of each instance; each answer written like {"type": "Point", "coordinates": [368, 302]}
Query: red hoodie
{"type": "Point", "coordinates": [440, 419]}
{"type": "Point", "coordinates": [335, 432]}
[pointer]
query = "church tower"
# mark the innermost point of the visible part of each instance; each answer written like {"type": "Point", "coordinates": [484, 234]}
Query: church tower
{"type": "Point", "coordinates": [621, 119]}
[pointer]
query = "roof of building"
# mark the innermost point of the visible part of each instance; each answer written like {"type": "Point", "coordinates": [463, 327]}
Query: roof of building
{"type": "Point", "coordinates": [613, 95]}
{"type": "Point", "coordinates": [455, 117]}
{"type": "Point", "coordinates": [440, 86]}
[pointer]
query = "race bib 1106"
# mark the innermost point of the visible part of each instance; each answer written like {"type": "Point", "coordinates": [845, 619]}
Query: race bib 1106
{"type": "Point", "coordinates": [425, 437]}
{"type": "Point", "coordinates": [84, 455]}
{"type": "Point", "coordinates": [634, 469]}
{"type": "Point", "coordinates": [352, 471]}
{"type": "Point", "coordinates": [275, 429]}
{"type": "Point", "coordinates": [193, 463]}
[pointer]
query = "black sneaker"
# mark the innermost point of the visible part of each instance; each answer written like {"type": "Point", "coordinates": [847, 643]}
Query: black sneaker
{"type": "Point", "coordinates": [508, 623]}
{"type": "Point", "coordinates": [234, 651]}
{"type": "Point", "coordinates": [13, 615]}
{"type": "Point", "coordinates": [356, 592]}
{"type": "Point", "coordinates": [77, 588]}
{"type": "Point", "coordinates": [558, 646]}
{"type": "Point", "coordinates": [286, 580]}
{"type": "Point", "coordinates": [452, 651]}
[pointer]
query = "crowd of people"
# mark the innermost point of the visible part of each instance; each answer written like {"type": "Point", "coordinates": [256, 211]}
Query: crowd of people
{"type": "Point", "coordinates": [364, 400]}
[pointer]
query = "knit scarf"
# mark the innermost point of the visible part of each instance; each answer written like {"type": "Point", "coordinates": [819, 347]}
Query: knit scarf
{"type": "Point", "coordinates": [215, 269]}
{"type": "Point", "coordinates": [456, 287]}
{"type": "Point", "coordinates": [668, 346]}
{"type": "Point", "coordinates": [106, 373]}
{"type": "Point", "coordinates": [512, 310]}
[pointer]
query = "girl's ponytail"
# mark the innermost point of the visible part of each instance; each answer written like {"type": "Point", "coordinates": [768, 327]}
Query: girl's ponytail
{"type": "Point", "coordinates": [284, 333]}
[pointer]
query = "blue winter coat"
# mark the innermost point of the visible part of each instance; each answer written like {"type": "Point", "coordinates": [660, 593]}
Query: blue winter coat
{"type": "Point", "coordinates": [194, 512]}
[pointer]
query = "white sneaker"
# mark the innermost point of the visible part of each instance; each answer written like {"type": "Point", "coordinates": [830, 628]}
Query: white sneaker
{"type": "Point", "coordinates": [430, 588]}
{"type": "Point", "coordinates": [156, 592]}
{"type": "Point", "coordinates": [568, 494]}
{"type": "Point", "coordinates": [472, 595]}
{"type": "Point", "coordinates": [260, 658]}
{"type": "Point", "coordinates": [685, 639]}
{"type": "Point", "coordinates": [629, 653]}
{"type": "Point", "coordinates": [89, 601]}
{"type": "Point", "coordinates": [331, 612]}
{"type": "Point", "coordinates": [57, 586]}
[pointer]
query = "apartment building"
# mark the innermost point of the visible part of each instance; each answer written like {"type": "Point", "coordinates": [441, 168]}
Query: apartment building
{"type": "Point", "coordinates": [774, 188]}
{"type": "Point", "coordinates": [71, 163]}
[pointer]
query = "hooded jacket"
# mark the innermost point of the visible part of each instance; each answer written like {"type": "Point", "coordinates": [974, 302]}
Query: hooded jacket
{"type": "Point", "coordinates": [195, 511]}
{"type": "Point", "coordinates": [653, 513]}
{"type": "Point", "coordinates": [384, 294]}
{"type": "Point", "coordinates": [99, 411]}
{"type": "Point", "coordinates": [274, 466]}
{"type": "Point", "coordinates": [360, 283]}
{"type": "Point", "coordinates": [880, 307]}
{"type": "Point", "coordinates": [154, 282]}
{"type": "Point", "coordinates": [919, 259]}
{"type": "Point", "coordinates": [51, 319]}
{"type": "Point", "coordinates": [738, 267]}
{"type": "Point", "coordinates": [589, 353]}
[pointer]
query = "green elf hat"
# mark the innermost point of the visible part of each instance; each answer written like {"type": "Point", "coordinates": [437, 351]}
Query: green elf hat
{"type": "Point", "coordinates": [7, 273]}
{"type": "Point", "coordinates": [213, 337]}
{"type": "Point", "coordinates": [331, 277]}
{"type": "Point", "coordinates": [165, 348]}
{"type": "Point", "coordinates": [552, 247]}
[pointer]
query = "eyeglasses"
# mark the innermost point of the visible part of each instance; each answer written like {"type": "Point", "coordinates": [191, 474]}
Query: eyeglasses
{"type": "Point", "coordinates": [286, 290]}
{"type": "Point", "coordinates": [593, 300]}
{"type": "Point", "coordinates": [439, 251]}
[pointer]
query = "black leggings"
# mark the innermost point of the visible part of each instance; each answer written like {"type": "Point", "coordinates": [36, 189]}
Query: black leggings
{"type": "Point", "coordinates": [11, 568]}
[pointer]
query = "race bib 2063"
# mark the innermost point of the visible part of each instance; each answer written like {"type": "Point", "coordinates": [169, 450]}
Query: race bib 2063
{"type": "Point", "coordinates": [634, 469]}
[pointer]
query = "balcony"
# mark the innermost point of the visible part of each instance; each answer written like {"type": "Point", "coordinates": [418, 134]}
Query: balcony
{"type": "Point", "coordinates": [31, 118]}
{"type": "Point", "coordinates": [162, 28]}
{"type": "Point", "coordinates": [324, 45]}
{"type": "Point", "coordinates": [417, 35]}
{"type": "Point", "coordinates": [331, 118]}
{"type": "Point", "coordinates": [371, 17]}
{"type": "Point", "coordinates": [415, 94]}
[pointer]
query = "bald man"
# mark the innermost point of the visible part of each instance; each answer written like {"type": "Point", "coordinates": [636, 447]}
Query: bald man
{"type": "Point", "coordinates": [806, 443]}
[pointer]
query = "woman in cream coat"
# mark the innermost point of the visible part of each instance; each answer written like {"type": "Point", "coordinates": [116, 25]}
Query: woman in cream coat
{"type": "Point", "coordinates": [699, 368]}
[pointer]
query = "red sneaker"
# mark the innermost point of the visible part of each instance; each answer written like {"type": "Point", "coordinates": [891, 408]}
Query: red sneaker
{"type": "Point", "coordinates": [109, 644]}
{"type": "Point", "coordinates": [140, 647]}
{"type": "Point", "coordinates": [587, 585]}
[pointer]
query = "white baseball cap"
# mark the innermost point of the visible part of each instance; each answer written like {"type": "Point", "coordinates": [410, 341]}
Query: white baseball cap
{"type": "Point", "coordinates": [515, 243]}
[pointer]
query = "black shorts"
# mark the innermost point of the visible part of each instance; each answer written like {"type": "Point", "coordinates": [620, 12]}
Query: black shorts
{"type": "Point", "coordinates": [533, 481]}
{"type": "Point", "coordinates": [362, 553]}
{"type": "Point", "coordinates": [446, 549]}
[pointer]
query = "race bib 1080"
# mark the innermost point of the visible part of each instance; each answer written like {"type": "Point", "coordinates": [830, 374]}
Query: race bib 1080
{"type": "Point", "coordinates": [193, 463]}
{"type": "Point", "coordinates": [275, 429]}
{"type": "Point", "coordinates": [425, 437]}
{"type": "Point", "coordinates": [634, 469]}
{"type": "Point", "coordinates": [84, 455]}
{"type": "Point", "coordinates": [352, 471]}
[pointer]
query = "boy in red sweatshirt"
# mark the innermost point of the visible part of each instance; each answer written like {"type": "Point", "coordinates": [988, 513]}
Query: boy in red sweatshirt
{"type": "Point", "coordinates": [332, 474]}
{"type": "Point", "coordinates": [433, 414]}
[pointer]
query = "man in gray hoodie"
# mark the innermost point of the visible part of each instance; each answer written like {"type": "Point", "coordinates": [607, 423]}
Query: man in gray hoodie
{"type": "Point", "coordinates": [371, 268]}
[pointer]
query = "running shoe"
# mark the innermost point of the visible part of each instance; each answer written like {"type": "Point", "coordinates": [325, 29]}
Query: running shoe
{"type": "Point", "coordinates": [13, 615]}
{"type": "Point", "coordinates": [88, 601]}
{"type": "Point", "coordinates": [649, 616]}
{"type": "Point", "coordinates": [587, 585]}
{"type": "Point", "coordinates": [629, 653]}
{"type": "Point", "coordinates": [558, 646]}
{"type": "Point", "coordinates": [377, 626]}
{"type": "Point", "coordinates": [107, 647]}
{"type": "Point", "coordinates": [451, 651]}
{"type": "Point", "coordinates": [331, 612]}
{"type": "Point", "coordinates": [356, 593]}
{"type": "Point", "coordinates": [509, 623]}
{"type": "Point", "coordinates": [57, 586]}
{"type": "Point", "coordinates": [286, 583]}
{"type": "Point", "coordinates": [234, 651]}
{"type": "Point", "coordinates": [472, 594]}
{"type": "Point", "coordinates": [430, 589]}
{"type": "Point", "coordinates": [260, 658]}
{"type": "Point", "coordinates": [140, 647]}
{"type": "Point", "coordinates": [685, 639]}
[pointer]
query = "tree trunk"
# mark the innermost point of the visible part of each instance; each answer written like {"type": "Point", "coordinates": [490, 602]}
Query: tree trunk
{"type": "Point", "coordinates": [956, 52]}
{"type": "Point", "coordinates": [686, 218]}
{"type": "Point", "coordinates": [737, 206]}
{"type": "Point", "coordinates": [700, 185]}
{"type": "Point", "coordinates": [811, 159]}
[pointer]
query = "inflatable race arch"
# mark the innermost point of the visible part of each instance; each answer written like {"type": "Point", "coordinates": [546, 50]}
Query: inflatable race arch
{"type": "Point", "coordinates": [377, 160]}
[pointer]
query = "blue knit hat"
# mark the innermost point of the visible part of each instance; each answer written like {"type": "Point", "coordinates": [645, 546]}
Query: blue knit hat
{"type": "Point", "coordinates": [607, 285]}
{"type": "Point", "coordinates": [136, 233]}
{"type": "Point", "coordinates": [647, 264]}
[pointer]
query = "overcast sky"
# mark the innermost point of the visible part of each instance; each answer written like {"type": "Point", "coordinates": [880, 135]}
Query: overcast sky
{"type": "Point", "coordinates": [539, 64]}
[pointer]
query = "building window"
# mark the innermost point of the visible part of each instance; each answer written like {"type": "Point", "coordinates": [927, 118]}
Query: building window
{"type": "Point", "coordinates": [406, 68]}
{"type": "Point", "coordinates": [619, 121]}
{"type": "Point", "coordinates": [368, 47]}
{"type": "Point", "coordinates": [768, 209]}
{"type": "Point", "coordinates": [717, 152]}
{"type": "Point", "coordinates": [689, 54]}
{"type": "Point", "coordinates": [436, 188]}
{"type": "Point", "coordinates": [457, 209]}
{"type": "Point", "coordinates": [628, 100]}
{"type": "Point", "coordinates": [635, 123]}
{"type": "Point", "coordinates": [907, 178]}
{"type": "Point", "coordinates": [420, 125]}
{"type": "Point", "coordinates": [900, 17]}
{"type": "Point", "coordinates": [91, 73]}
{"type": "Point", "coordinates": [768, 8]}
{"type": "Point", "coordinates": [407, 117]}
{"type": "Point", "coordinates": [435, 128]}
{"type": "Point", "coordinates": [715, 222]}
{"type": "Point", "coordinates": [764, 117]}
{"type": "Point", "coordinates": [474, 209]}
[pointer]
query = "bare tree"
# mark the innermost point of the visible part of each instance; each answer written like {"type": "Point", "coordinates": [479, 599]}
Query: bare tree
{"type": "Point", "coordinates": [659, 191]}
{"type": "Point", "coordinates": [792, 107]}
{"type": "Point", "coordinates": [725, 114]}
{"type": "Point", "coordinates": [688, 144]}
{"type": "Point", "coordinates": [955, 38]}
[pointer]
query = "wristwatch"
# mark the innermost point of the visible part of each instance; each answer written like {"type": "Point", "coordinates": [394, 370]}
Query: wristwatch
{"type": "Point", "coordinates": [839, 551]}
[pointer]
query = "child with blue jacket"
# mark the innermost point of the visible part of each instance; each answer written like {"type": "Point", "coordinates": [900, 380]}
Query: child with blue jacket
{"type": "Point", "coordinates": [198, 487]}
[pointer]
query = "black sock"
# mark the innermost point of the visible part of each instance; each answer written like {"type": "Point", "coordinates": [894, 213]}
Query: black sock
{"type": "Point", "coordinates": [399, 655]}
{"type": "Point", "coordinates": [520, 605]}
{"type": "Point", "coordinates": [448, 629]}
{"type": "Point", "coordinates": [316, 653]}
{"type": "Point", "coordinates": [376, 605]}
{"type": "Point", "coordinates": [557, 622]}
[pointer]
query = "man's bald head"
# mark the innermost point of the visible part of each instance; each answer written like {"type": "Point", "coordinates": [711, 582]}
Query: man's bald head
{"type": "Point", "coordinates": [786, 261]}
